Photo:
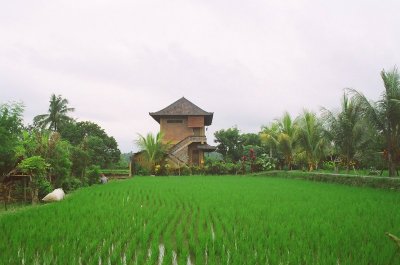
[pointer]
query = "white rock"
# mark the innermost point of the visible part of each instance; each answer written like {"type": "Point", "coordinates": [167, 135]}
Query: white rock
{"type": "Point", "coordinates": [55, 195]}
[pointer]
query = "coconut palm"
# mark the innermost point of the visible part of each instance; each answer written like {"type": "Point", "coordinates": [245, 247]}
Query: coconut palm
{"type": "Point", "coordinates": [154, 147]}
{"type": "Point", "coordinates": [310, 138]}
{"type": "Point", "coordinates": [384, 115]}
{"type": "Point", "coordinates": [57, 114]}
{"type": "Point", "coordinates": [346, 130]}
{"type": "Point", "coordinates": [269, 137]}
{"type": "Point", "coordinates": [286, 141]}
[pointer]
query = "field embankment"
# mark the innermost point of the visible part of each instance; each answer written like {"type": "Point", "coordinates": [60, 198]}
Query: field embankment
{"type": "Point", "coordinates": [391, 183]}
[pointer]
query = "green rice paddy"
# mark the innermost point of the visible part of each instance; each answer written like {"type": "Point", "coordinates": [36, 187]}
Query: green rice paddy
{"type": "Point", "coordinates": [207, 220]}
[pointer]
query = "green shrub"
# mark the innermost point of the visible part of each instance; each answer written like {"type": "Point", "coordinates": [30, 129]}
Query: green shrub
{"type": "Point", "coordinates": [185, 171]}
{"type": "Point", "coordinates": [71, 183]}
{"type": "Point", "coordinates": [373, 171]}
{"type": "Point", "coordinates": [161, 169]}
{"type": "Point", "coordinates": [264, 162]}
{"type": "Point", "coordinates": [141, 171]}
{"type": "Point", "coordinates": [197, 170]}
{"type": "Point", "coordinates": [44, 187]}
{"type": "Point", "coordinates": [232, 168]}
{"type": "Point", "coordinates": [351, 180]}
{"type": "Point", "coordinates": [215, 168]}
{"type": "Point", "coordinates": [329, 165]}
{"type": "Point", "coordinates": [93, 175]}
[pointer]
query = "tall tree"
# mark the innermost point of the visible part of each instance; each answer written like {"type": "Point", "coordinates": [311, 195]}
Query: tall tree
{"type": "Point", "coordinates": [230, 144]}
{"type": "Point", "coordinates": [101, 149]}
{"type": "Point", "coordinates": [310, 139]}
{"type": "Point", "coordinates": [57, 114]}
{"type": "Point", "coordinates": [346, 130]}
{"type": "Point", "coordinates": [10, 131]}
{"type": "Point", "coordinates": [280, 137]}
{"type": "Point", "coordinates": [49, 146]}
{"type": "Point", "coordinates": [286, 138]}
{"type": "Point", "coordinates": [154, 148]}
{"type": "Point", "coordinates": [269, 137]}
{"type": "Point", "coordinates": [384, 115]}
{"type": "Point", "coordinates": [251, 139]}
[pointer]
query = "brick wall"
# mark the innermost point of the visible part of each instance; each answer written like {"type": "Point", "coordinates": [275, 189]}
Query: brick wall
{"type": "Point", "coordinates": [174, 131]}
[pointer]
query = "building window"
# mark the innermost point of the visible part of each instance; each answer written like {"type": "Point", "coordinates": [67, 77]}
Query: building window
{"type": "Point", "coordinates": [174, 121]}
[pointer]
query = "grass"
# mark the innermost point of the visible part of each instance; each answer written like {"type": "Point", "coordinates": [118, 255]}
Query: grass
{"type": "Point", "coordinates": [211, 220]}
{"type": "Point", "coordinates": [13, 207]}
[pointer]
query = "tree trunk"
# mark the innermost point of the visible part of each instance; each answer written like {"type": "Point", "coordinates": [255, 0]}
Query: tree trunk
{"type": "Point", "coordinates": [24, 190]}
{"type": "Point", "coordinates": [34, 195]}
{"type": "Point", "coordinates": [391, 165]}
{"type": "Point", "coordinates": [336, 166]}
{"type": "Point", "coordinates": [5, 191]}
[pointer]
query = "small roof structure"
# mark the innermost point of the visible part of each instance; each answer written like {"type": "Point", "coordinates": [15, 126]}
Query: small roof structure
{"type": "Point", "coordinates": [183, 107]}
{"type": "Point", "coordinates": [206, 147]}
{"type": "Point", "coordinates": [14, 175]}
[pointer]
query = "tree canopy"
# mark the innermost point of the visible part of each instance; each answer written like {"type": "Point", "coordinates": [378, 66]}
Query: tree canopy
{"type": "Point", "coordinates": [56, 116]}
{"type": "Point", "coordinates": [230, 143]}
{"type": "Point", "coordinates": [384, 115]}
{"type": "Point", "coordinates": [10, 131]}
{"type": "Point", "coordinates": [100, 148]}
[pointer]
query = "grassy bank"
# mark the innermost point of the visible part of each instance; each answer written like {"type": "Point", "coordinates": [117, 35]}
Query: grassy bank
{"type": "Point", "coordinates": [391, 183]}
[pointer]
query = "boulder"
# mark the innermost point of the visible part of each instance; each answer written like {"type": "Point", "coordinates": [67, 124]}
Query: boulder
{"type": "Point", "coordinates": [54, 196]}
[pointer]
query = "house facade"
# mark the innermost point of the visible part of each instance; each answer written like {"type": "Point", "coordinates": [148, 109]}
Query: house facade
{"type": "Point", "coordinates": [184, 125]}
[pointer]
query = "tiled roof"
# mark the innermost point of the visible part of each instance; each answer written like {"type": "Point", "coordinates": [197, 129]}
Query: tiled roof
{"type": "Point", "coordinates": [183, 107]}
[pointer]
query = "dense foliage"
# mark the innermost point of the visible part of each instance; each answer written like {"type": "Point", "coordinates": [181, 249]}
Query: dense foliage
{"type": "Point", "coordinates": [61, 153]}
{"type": "Point", "coordinates": [10, 128]}
{"type": "Point", "coordinates": [230, 144]}
{"type": "Point", "coordinates": [361, 134]}
{"type": "Point", "coordinates": [95, 146]}
{"type": "Point", "coordinates": [207, 220]}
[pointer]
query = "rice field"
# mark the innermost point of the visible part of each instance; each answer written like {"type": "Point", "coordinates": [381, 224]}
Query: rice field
{"type": "Point", "coordinates": [207, 220]}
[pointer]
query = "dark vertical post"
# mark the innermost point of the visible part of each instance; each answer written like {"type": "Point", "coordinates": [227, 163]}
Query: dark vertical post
{"type": "Point", "coordinates": [25, 190]}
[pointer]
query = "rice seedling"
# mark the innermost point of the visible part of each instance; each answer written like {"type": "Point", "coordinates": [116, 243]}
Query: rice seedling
{"type": "Point", "coordinates": [207, 220]}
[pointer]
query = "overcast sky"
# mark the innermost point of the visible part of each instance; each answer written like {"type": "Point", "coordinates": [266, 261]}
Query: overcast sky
{"type": "Point", "coordinates": [246, 61]}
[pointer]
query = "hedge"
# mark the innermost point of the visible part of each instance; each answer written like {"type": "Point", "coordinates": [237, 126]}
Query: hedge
{"type": "Point", "coordinates": [391, 183]}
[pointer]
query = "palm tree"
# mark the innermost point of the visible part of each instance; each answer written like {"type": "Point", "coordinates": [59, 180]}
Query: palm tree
{"type": "Point", "coordinates": [310, 138]}
{"type": "Point", "coordinates": [286, 139]}
{"type": "Point", "coordinates": [345, 129]}
{"type": "Point", "coordinates": [384, 115]}
{"type": "Point", "coordinates": [57, 114]}
{"type": "Point", "coordinates": [269, 137]}
{"type": "Point", "coordinates": [154, 147]}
